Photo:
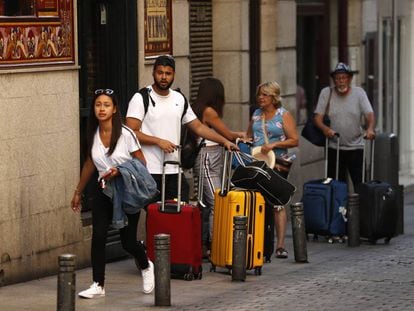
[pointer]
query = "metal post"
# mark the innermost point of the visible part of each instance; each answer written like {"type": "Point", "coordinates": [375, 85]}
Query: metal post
{"type": "Point", "coordinates": [299, 232]}
{"type": "Point", "coordinates": [162, 271]}
{"type": "Point", "coordinates": [66, 283]}
{"type": "Point", "coordinates": [353, 220]}
{"type": "Point", "coordinates": [238, 269]}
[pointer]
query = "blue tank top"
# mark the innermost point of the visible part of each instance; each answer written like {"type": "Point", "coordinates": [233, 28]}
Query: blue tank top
{"type": "Point", "coordinates": [274, 129]}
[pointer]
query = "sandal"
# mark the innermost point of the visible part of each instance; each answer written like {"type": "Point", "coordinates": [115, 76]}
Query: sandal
{"type": "Point", "coordinates": [281, 253]}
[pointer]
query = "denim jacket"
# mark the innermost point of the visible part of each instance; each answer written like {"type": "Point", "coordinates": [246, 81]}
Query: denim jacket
{"type": "Point", "coordinates": [131, 191]}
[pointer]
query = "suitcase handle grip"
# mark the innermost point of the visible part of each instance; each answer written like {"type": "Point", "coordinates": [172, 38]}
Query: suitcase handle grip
{"type": "Point", "coordinates": [178, 163]}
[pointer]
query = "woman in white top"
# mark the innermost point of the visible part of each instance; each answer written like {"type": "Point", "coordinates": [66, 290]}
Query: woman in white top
{"type": "Point", "coordinates": [109, 144]}
{"type": "Point", "coordinates": [208, 107]}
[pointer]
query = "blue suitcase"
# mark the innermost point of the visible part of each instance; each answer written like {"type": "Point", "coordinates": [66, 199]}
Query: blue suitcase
{"type": "Point", "coordinates": [324, 204]}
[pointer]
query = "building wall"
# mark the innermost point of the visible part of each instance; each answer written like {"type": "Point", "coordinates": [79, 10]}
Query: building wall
{"type": "Point", "coordinates": [231, 58]}
{"type": "Point", "coordinates": [406, 13]}
{"type": "Point", "coordinates": [180, 24]}
{"type": "Point", "coordinates": [40, 167]}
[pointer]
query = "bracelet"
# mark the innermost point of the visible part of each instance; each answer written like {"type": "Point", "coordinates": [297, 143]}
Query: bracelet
{"type": "Point", "coordinates": [77, 191]}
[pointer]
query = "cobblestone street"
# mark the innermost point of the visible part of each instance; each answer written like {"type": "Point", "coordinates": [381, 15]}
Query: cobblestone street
{"type": "Point", "coordinates": [337, 277]}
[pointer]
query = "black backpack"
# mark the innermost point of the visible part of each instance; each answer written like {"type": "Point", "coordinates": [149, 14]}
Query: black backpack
{"type": "Point", "coordinates": [188, 140]}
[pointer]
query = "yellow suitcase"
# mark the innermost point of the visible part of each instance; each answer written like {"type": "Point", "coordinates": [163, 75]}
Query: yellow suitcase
{"type": "Point", "coordinates": [238, 202]}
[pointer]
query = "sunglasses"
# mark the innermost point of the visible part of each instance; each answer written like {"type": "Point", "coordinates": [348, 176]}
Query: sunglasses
{"type": "Point", "coordinates": [104, 91]}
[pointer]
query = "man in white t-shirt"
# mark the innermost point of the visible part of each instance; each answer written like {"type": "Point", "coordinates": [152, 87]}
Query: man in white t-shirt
{"type": "Point", "coordinates": [158, 129]}
{"type": "Point", "coordinates": [347, 106]}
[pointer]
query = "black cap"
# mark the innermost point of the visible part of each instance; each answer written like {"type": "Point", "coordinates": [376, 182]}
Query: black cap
{"type": "Point", "coordinates": [165, 60]}
{"type": "Point", "coordinates": [342, 68]}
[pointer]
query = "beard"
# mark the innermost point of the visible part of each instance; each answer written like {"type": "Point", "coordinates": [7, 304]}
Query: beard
{"type": "Point", "coordinates": [163, 86]}
{"type": "Point", "coordinates": [342, 89]}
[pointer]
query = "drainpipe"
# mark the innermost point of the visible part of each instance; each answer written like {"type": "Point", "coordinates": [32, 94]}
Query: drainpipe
{"type": "Point", "coordinates": [343, 31]}
{"type": "Point", "coordinates": [254, 47]}
{"type": "Point", "coordinates": [395, 106]}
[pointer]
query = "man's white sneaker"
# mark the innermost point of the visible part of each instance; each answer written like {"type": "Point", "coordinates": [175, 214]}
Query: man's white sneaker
{"type": "Point", "coordinates": [95, 291]}
{"type": "Point", "coordinates": [148, 278]}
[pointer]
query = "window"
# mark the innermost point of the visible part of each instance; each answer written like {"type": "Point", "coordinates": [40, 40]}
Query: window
{"type": "Point", "coordinates": [17, 7]}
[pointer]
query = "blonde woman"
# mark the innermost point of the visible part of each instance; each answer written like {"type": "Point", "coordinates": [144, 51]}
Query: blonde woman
{"type": "Point", "coordinates": [273, 128]}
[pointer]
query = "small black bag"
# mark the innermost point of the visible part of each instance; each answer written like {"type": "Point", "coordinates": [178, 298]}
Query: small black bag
{"type": "Point", "coordinates": [189, 147]}
{"type": "Point", "coordinates": [313, 133]}
{"type": "Point", "coordinates": [258, 176]}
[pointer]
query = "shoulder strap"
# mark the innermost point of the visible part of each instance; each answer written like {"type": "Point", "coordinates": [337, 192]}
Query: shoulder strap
{"type": "Point", "coordinates": [145, 98]}
{"type": "Point", "coordinates": [266, 139]}
{"type": "Point", "coordinates": [329, 101]}
{"type": "Point", "coordinates": [185, 102]}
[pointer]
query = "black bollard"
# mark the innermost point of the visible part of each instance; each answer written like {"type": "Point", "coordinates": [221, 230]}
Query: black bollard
{"type": "Point", "coordinates": [238, 269]}
{"type": "Point", "coordinates": [299, 232]}
{"type": "Point", "coordinates": [66, 283]}
{"type": "Point", "coordinates": [162, 271]}
{"type": "Point", "coordinates": [353, 220]}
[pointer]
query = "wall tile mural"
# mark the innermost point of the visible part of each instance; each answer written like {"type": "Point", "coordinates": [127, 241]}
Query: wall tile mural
{"type": "Point", "coordinates": [38, 40]}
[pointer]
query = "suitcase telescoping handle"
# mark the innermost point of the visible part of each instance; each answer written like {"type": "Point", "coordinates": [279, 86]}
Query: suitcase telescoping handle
{"type": "Point", "coordinates": [200, 192]}
{"type": "Point", "coordinates": [164, 164]}
{"type": "Point", "coordinates": [228, 157]}
{"type": "Point", "coordinates": [371, 162]}
{"type": "Point", "coordinates": [225, 178]}
{"type": "Point", "coordinates": [337, 156]}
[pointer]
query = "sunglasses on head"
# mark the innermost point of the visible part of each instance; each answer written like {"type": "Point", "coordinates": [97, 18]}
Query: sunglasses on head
{"type": "Point", "coordinates": [104, 91]}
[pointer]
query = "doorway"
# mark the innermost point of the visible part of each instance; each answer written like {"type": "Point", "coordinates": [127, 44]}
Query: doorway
{"type": "Point", "coordinates": [313, 57]}
{"type": "Point", "coordinates": [108, 58]}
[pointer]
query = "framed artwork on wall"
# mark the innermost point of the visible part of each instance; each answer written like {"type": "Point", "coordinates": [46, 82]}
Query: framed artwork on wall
{"type": "Point", "coordinates": [36, 32]}
{"type": "Point", "coordinates": [157, 28]}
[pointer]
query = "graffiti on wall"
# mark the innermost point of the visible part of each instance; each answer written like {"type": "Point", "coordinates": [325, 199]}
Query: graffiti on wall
{"type": "Point", "coordinates": [43, 40]}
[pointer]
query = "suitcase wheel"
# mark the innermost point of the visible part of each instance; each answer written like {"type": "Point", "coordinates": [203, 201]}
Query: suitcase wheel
{"type": "Point", "coordinates": [258, 271]}
{"type": "Point", "coordinates": [199, 274]}
{"type": "Point", "coordinates": [335, 239]}
{"type": "Point", "coordinates": [387, 240]}
{"type": "Point", "coordinates": [189, 276]}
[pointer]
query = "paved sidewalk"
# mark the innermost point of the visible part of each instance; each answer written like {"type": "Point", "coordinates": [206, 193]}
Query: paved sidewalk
{"type": "Point", "coordinates": [369, 277]}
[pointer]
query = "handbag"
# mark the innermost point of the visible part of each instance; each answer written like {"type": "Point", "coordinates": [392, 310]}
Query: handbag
{"type": "Point", "coordinates": [284, 163]}
{"type": "Point", "coordinates": [257, 176]}
{"type": "Point", "coordinates": [281, 163]}
{"type": "Point", "coordinates": [313, 133]}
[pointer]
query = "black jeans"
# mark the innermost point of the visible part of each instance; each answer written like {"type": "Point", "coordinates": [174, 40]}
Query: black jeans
{"type": "Point", "coordinates": [349, 160]}
{"type": "Point", "coordinates": [171, 186]}
{"type": "Point", "coordinates": [101, 219]}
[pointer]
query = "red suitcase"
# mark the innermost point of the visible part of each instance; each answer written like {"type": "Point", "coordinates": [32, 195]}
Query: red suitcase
{"type": "Point", "coordinates": [183, 223]}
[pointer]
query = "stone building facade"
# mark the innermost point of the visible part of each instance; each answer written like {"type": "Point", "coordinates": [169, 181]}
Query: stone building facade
{"type": "Point", "coordinates": [46, 91]}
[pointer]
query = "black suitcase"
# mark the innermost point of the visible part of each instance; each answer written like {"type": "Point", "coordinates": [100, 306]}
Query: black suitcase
{"type": "Point", "coordinates": [387, 151]}
{"type": "Point", "coordinates": [377, 206]}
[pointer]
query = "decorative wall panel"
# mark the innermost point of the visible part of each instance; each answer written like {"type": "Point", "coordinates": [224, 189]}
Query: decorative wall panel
{"type": "Point", "coordinates": [47, 38]}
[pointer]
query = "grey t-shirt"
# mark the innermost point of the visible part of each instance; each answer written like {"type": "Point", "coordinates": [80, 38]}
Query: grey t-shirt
{"type": "Point", "coordinates": [346, 114]}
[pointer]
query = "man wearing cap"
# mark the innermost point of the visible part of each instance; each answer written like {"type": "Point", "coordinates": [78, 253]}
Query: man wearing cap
{"type": "Point", "coordinates": [158, 129]}
{"type": "Point", "coordinates": [347, 106]}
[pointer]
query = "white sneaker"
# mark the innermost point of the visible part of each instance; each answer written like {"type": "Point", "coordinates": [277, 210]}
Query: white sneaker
{"type": "Point", "coordinates": [148, 278]}
{"type": "Point", "coordinates": [95, 291]}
